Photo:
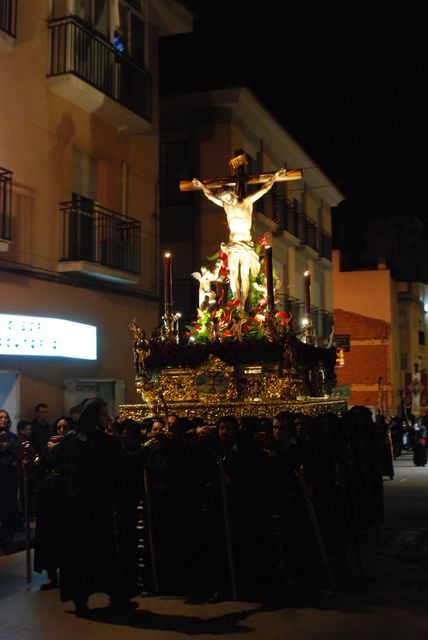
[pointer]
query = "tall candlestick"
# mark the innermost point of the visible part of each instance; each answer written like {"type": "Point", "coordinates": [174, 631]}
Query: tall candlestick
{"type": "Point", "coordinates": [167, 279]}
{"type": "Point", "coordinates": [307, 293]}
{"type": "Point", "coordinates": [269, 279]}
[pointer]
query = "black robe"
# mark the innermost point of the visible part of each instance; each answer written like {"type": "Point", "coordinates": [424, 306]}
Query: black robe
{"type": "Point", "coordinates": [99, 537]}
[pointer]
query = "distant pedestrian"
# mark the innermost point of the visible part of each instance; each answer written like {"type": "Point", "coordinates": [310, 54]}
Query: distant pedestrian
{"type": "Point", "coordinates": [8, 480]}
{"type": "Point", "coordinates": [40, 428]}
{"type": "Point", "coordinates": [419, 449]}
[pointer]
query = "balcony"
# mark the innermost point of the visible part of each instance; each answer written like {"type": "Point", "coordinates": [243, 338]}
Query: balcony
{"type": "Point", "coordinates": [7, 24]}
{"type": "Point", "coordinates": [5, 209]}
{"type": "Point", "coordinates": [322, 320]}
{"type": "Point", "coordinates": [286, 212]}
{"type": "Point", "coordinates": [99, 243]}
{"type": "Point", "coordinates": [88, 71]}
{"type": "Point", "coordinates": [324, 244]}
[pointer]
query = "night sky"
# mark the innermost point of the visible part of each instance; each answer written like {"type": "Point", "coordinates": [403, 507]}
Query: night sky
{"type": "Point", "coordinates": [350, 85]}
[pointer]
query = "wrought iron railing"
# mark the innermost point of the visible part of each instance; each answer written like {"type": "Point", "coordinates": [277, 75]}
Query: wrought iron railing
{"type": "Point", "coordinates": [322, 320]}
{"type": "Point", "coordinates": [291, 218]}
{"type": "Point", "coordinates": [8, 17]}
{"type": "Point", "coordinates": [5, 204]}
{"type": "Point", "coordinates": [286, 213]}
{"type": "Point", "coordinates": [76, 49]}
{"type": "Point", "coordinates": [96, 234]}
{"type": "Point", "coordinates": [309, 235]}
{"type": "Point", "coordinates": [324, 244]}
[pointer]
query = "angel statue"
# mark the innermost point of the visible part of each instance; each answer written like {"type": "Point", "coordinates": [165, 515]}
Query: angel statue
{"type": "Point", "coordinates": [205, 277]}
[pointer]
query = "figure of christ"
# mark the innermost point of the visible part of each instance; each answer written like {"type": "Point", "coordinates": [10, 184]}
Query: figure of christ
{"type": "Point", "coordinates": [242, 259]}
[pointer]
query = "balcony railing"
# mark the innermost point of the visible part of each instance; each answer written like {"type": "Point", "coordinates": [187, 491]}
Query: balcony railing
{"type": "Point", "coordinates": [309, 235]}
{"type": "Point", "coordinates": [324, 244]}
{"type": "Point", "coordinates": [322, 320]}
{"type": "Point", "coordinates": [8, 17]}
{"type": "Point", "coordinates": [95, 234]}
{"type": "Point", "coordinates": [291, 218]}
{"type": "Point", "coordinates": [5, 204]}
{"type": "Point", "coordinates": [77, 50]}
{"type": "Point", "coordinates": [286, 213]}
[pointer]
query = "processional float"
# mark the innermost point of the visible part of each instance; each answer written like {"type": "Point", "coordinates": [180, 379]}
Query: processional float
{"type": "Point", "coordinates": [241, 356]}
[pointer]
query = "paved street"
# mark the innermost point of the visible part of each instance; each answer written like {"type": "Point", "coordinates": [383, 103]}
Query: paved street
{"type": "Point", "coordinates": [392, 603]}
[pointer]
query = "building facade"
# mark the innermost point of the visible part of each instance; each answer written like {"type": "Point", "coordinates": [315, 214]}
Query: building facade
{"type": "Point", "coordinates": [200, 132]}
{"type": "Point", "coordinates": [79, 141]}
{"type": "Point", "coordinates": [384, 322]}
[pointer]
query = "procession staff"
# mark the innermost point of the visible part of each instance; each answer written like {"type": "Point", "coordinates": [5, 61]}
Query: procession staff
{"type": "Point", "coordinates": [227, 529]}
{"type": "Point", "coordinates": [306, 495]}
{"type": "Point", "coordinates": [153, 557]}
{"type": "Point", "coordinates": [27, 514]}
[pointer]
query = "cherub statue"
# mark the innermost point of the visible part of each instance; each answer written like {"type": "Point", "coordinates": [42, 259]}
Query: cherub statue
{"type": "Point", "coordinates": [205, 277]}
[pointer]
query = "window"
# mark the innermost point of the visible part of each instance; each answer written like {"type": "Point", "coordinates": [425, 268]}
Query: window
{"type": "Point", "coordinates": [176, 165]}
{"type": "Point", "coordinates": [402, 319]}
{"type": "Point", "coordinates": [403, 361]}
{"type": "Point", "coordinates": [129, 29]}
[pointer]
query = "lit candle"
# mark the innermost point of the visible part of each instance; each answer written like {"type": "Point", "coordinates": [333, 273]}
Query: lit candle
{"type": "Point", "coordinates": [307, 293]}
{"type": "Point", "coordinates": [269, 279]}
{"type": "Point", "coordinates": [167, 279]}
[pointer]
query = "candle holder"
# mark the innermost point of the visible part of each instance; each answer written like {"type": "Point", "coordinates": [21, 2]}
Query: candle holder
{"type": "Point", "coordinates": [308, 331]}
{"type": "Point", "coordinates": [273, 335]}
{"type": "Point", "coordinates": [170, 331]}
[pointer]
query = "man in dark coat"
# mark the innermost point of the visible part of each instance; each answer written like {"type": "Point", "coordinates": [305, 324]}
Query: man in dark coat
{"type": "Point", "coordinates": [8, 481]}
{"type": "Point", "coordinates": [40, 428]}
{"type": "Point", "coordinates": [99, 537]}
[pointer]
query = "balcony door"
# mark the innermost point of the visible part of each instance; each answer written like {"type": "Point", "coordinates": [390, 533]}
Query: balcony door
{"type": "Point", "coordinates": [121, 22]}
{"type": "Point", "coordinates": [82, 236]}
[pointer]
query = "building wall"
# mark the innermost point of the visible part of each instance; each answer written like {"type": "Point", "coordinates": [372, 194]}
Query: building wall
{"type": "Point", "coordinates": [366, 308]}
{"type": "Point", "coordinates": [40, 133]}
{"type": "Point", "coordinates": [368, 359]}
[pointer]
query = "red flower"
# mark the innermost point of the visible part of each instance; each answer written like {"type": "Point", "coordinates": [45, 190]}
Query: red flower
{"type": "Point", "coordinates": [223, 257]}
{"type": "Point", "coordinates": [284, 317]}
{"type": "Point", "coordinates": [234, 302]}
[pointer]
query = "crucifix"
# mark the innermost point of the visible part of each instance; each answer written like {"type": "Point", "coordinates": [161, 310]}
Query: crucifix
{"type": "Point", "coordinates": [229, 193]}
{"type": "Point", "coordinates": [240, 179]}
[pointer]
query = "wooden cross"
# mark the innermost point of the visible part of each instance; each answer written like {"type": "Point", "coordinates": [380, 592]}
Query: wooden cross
{"type": "Point", "coordinates": [240, 179]}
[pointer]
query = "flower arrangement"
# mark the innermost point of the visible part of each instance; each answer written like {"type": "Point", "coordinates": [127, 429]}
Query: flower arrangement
{"type": "Point", "coordinates": [226, 321]}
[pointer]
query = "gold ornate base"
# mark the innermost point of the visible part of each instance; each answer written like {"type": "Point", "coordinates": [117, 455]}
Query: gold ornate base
{"type": "Point", "coordinates": [214, 389]}
{"type": "Point", "coordinates": [210, 413]}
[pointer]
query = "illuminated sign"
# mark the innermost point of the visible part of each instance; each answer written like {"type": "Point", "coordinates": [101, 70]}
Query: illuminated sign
{"type": "Point", "coordinates": [38, 336]}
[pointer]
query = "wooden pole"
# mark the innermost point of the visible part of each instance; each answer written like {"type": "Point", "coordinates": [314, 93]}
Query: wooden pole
{"type": "Point", "coordinates": [315, 527]}
{"type": "Point", "coordinates": [153, 558]}
{"type": "Point", "coordinates": [227, 530]}
{"type": "Point", "coordinates": [27, 518]}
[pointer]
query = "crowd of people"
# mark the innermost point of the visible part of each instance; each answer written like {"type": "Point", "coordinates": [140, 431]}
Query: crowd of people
{"type": "Point", "coordinates": [247, 507]}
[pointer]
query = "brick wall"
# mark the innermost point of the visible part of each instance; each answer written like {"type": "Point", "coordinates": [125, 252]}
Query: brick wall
{"type": "Point", "coordinates": [368, 359]}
